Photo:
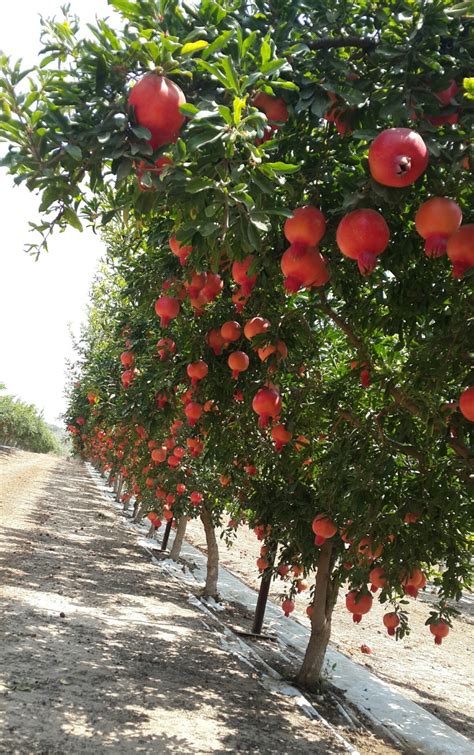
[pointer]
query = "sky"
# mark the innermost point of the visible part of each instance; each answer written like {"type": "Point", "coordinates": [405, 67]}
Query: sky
{"type": "Point", "coordinates": [39, 300]}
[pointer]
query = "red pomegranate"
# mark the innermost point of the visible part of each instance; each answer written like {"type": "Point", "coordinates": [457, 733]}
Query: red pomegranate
{"type": "Point", "coordinates": [238, 362]}
{"type": "Point", "coordinates": [377, 578]}
{"type": "Point", "coordinates": [397, 157]}
{"type": "Point", "coordinates": [241, 276]}
{"type": "Point", "coordinates": [303, 267]}
{"type": "Point", "coordinates": [273, 107]}
{"type": "Point", "coordinates": [283, 570]}
{"type": "Point", "coordinates": [287, 606]}
{"type": "Point", "coordinates": [466, 403]}
{"type": "Point", "coordinates": [173, 461]}
{"type": "Point", "coordinates": [437, 220]}
{"type": "Point", "coordinates": [215, 341]}
{"type": "Point", "coordinates": [440, 630]}
{"type": "Point", "coordinates": [266, 403]}
{"type": "Point", "coordinates": [231, 331]}
{"type": "Point", "coordinates": [212, 287]}
{"type": "Point", "coordinates": [182, 251]}
{"type": "Point", "coordinates": [167, 308]}
{"type": "Point", "coordinates": [255, 327]}
{"type": "Point", "coordinates": [306, 227]}
{"type": "Point", "coordinates": [156, 101]}
{"type": "Point", "coordinates": [279, 349]}
{"type": "Point", "coordinates": [368, 551]}
{"type": "Point", "coordinates": [128, 377]}
{"type": "Point", "coordinates": [324, 528]}
{"type": "Point", "coordinates": [281, 436]}
{"type": "Point", "coordinates": [240, 299]}
{"type": "Point", "coordinates": [155, 170]}
{"type": "Point", "coordinates": [127, 358]}
{"type": "Point", "coordinates": [362, 235]}
{"type": "Point", "coordinates": [165, 347]}
{"type": "Point", "coordinates": [196, 498]}
{"type": "Point", "coordinates": [158, 455]}
{"type": "Point", "coordinates": [197, 371]}
{"type": "Point", "coordinates": [358, 603]}
{"type": "Point", "coordinates": [262, 564]}
{"type": "Point", "coordinates": [460, 250]}
{"type": "Point", "coordinates": [414, 582]}
{"type": "Point", "coordinates": [365, 378]}
{"type": "Point", "coordinates": [391, 621]}
{"type": "Point", "coordinates": [193, 412]}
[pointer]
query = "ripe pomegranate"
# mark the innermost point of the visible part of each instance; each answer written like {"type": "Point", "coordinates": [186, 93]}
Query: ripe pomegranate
{"type": "Point", "coordinates": [128, 377]}
{"type": "Point", "coordinates": [266, 403]}
{"type": "Point", "coordinates": [324, 528]}
{"type": "Point", "coordinates": [366, 649]}
{"type": "Point", "coordinates": [281, 436]}
{"type": "Point", "coordinates": [460, 250]}
{"type": "Point", "coordinates": [193, 412]}
{"type": "Point", "coordinates": [165, 347]}
{"type": "Point", "coordinates": [283, 570]}
{"type": "Point", "coordinates": [303, 267]}
{"type": "Point", "coordinates": [411, 518]}
{"type": "Point", "coordinates": [158, 455]}
{"type": "Point", "coordinates": [287, 606]}
{"type": "Point", "coordinates": [197, 371]}
{"type": "Point", "coordinates": [156, 101]}
{"type": "Point", "coordinates": [440, 630]}
{"type": "Point", "coordinates": [224, 480]}
{"type": "Point", "coordinates": [362, 235]}
{"type": "Point", "coordinates": [155, 170]}
{"type": "Point", "coordinates": [240, 299]}
{"type": "Point", "coordinates": [414, 582]}
{"type": "Point", "coordinates": [238, 362]}
{"type": "Point", "coordinates": [365, 378]}
{"type": "Point", "coordinates": [241, 276]}
{"type": "Point", "coordinates": [358, 603]}
{"type": "Point", "coordinates": [377, 578]}
{"type": "Point", "coordinates": [262, 564]}
{"type": "Point", "coordinates": [397, 157]}
{"type": "Point", "coordinates": [273, 107]}
{"type": "Point", "coordinates": [215, 341]}
{"type": "Point", "coordinates": [127, 359]}
{"type": "Point", "coordinates": [437, 220]}
{"type": "Point", "coordinates": [196, 498]}
{"type": "Point", "coordinates": [173, 461]}
{"type": "Point", "coordinates": [92, 398]}
{"type": "Point", "coordinates": [167, 308]}
{"type": "Point", "coordinates": [231, 331]}
{"type": "Point", "coordinates": [181, 251]}
{"type": "Point", "coordinates": [368, 551]}
{"type": "Point", "coordinates": [306, 227]}
{"type": "Point", "coordinates": [391, 621]}
{"type": "Point", "coordinates": [255, 327]}
{"type": "Point", "coordinates": [179, 452]}
{"type": "Point", "coordinates": [466, 403]}
{"type": "Point", "coordinates": [212, 287]}
{"type": "Point", "coordinates": [309, 612]}
{"type": "Point", "coordinates": [302, 585]}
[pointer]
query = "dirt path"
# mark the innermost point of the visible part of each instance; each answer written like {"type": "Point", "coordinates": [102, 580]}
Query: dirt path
{"type": "Point", "coordinates": [437, 678]}
{"type": "Point", "coordinates": [100, 654]}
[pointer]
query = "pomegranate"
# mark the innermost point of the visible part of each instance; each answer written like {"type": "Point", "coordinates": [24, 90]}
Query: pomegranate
{"type": "Point", "coordinates": [92, 398]}
{"type": "Point", "coordinates": [128, 377]}
{"type": "Point", "coordinates": [391, 621]}
{"type": "Point", "coordinates": [306, 227]}
{"type": "Point", "coordinates": [266, 403]}
{"type": "Point", "coordinates": [193, 412]}
{"type": "Point", "coordinates": [309, 612]}
{"type": "Point", "coordinates": [231, 331]}
{"type": "Point", "coordinates": [437, 220]}
{"type": "Point", "coordinates": [173, 461]}
{"type": "Point", "coordinates": [238, 362]}
{"type": "Point", "coordinates": [281, 436]}
{"type": "Point", "coordinates": [377, 578]}
{"type": "Point", "coordinates": [155, 170]}
{"type": "Point", "coordinates": [156, 102]}
{"type": "Point", "coordinates": [460, 250]}
{"type": "Point", "coordinates": [397, 157]}
{"type": "Point", "coordinates": [368, 551]}
{"type": "Point", "coordinates": [181, 251]}
{"type": "Point", "coordinates": [362, 235]}
{"type": "Point", "coordinates": [215, 341]}
{"type": "Point", "coordinates": [466, 403]}
{"type": "Point", "coordinates": [303, 267]}
{"type": "Point", "coordinates": [241, 276]}
{"type": "Point", "coordinates": [302, 585]}
{"type": "Point", "coordinates": [365, 378]}
{"type": "Point", "coordinates": [440, 630]}
{"type": "Point", "coordinates": [287, 606]}
{"type": "Point", "coordinates": [212, 287]}
{"type": "Point", "coordinates": [414, 582]}
{"type": "Point", "coordinates": [274, 107]}
{"type": "Point", "coordinates": [283, 570]}
{"type": "Point", "coordinates": [167, 308]}
{"type": "Point", "coordinates": [197, 371]}
{"type": "Point", "coordinates": [358, 603]}
{"type": "Point", "coordinates": [323, 527]}
{"type": "Point", "coordinates": [410, 517]}
{"type": "Point", "coordinates": [165, 347]}
{"type": "Point", "coordinates": [158, 455]}
{"type": "Point", "coordinates": [196, 498]}
{"type": "Point", "coordinates": [255, 327]}
{"type": "Point", "coordinates": [127, 358]}
{"type": "Point", "coordinates": [262, 564]}
{"type": "Point", "coordinates": [240, 300]}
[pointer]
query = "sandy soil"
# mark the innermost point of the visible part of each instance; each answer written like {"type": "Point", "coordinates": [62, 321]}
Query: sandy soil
{"type": "Point", "coordinates": [437, 678]}
{"type": "Point", "coordinates": [100, 653]}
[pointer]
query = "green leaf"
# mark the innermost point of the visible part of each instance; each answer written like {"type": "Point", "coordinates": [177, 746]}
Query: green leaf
{"type": "Point", "coordinates": [188, 109]}
{"type": "Point", "coordinates": [218, 43]}
{"type": "Point", "coordinates": [74, 151]}
{"type": "Point", "coordinates": [228, 66]}
{"type": "Point", "coordinates": [190, 47]}
{"type": "Point", "coordinates": [280, 167]}
{"type": "Point", "coordinates": [208, 229]}
{"type": "Point", "coordinates": [100, 74]}
{"type": "Point", "coordinates": [141, 132]}
{"type": "Point", "coordinates": [226, 114]}
{"type": "Point", "coordinates": [265, 51]}
{"type": "Point", "coordinates": [131, 9]}
{"type": "Point", "coordinates": [72, 218]}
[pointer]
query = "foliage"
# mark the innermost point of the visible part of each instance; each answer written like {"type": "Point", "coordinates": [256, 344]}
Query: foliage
{"type": "Point", "coordinates": [372, 454]}
{"type": "Point", "coordinates": [22, 426]}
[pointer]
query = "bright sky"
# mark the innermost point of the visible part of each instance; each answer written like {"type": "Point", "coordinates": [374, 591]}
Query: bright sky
{"type": "Point", "coordinates": [38, 300]}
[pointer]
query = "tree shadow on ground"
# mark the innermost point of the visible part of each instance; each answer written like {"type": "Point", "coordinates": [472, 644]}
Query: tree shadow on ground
{"type": "Point", "coordinates": [100, 653]}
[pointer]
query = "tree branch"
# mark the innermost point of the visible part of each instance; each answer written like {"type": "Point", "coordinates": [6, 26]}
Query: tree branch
{"type": "Point", "coordinates": [326, 43]}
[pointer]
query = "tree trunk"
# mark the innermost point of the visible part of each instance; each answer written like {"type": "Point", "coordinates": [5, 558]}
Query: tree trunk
{"type": "Point", "coordinates": [210, 588]}
{"type": "Point", "coordinates": [136, 507]}
{"type": "Point", "coordinates": [116, 483]}
{"type": "Point", "coordinates": [109, 479]}
{"type": "Point", "coordinates": [179, 537]}
{"type": "Point", "coordinates": [119, 489]}
{"type": "Point", "coordinates": [325, 596]}
{"type": "Point", "coordinates": [137, 513]}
